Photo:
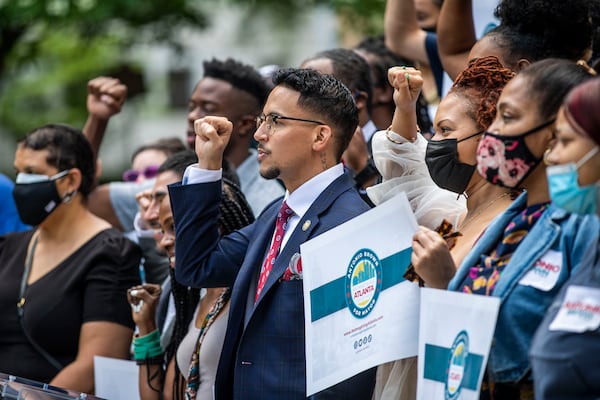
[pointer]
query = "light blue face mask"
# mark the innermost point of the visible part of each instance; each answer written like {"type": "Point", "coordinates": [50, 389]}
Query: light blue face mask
{"type": "Point", "coordinates": [565, 191]}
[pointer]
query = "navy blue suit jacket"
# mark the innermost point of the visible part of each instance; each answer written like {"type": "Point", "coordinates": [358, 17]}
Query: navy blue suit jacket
{"type": "Point", "coordinates": [263, 355]}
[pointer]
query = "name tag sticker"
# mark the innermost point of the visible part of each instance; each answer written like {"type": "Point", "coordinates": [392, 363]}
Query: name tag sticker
{"type": "Point", "coordinates": [579, 311]}
{"type": "Point", "coordinates": [545, 272]}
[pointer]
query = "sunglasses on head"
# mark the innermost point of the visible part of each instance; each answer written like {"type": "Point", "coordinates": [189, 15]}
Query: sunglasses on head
{"type": "Point", "coordinates": [131, 175]}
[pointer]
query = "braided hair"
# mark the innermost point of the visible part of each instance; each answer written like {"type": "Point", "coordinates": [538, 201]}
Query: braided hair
{"type": "Point", "coordinates": [235, 213]}
{"type": "Point", "coordinates": [481, 83]}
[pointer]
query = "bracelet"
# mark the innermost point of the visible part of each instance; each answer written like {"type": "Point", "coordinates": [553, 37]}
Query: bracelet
{"type": "Point", "coordinates": [147, 346]}
{"type": "Point", "coordinates": [389, 137]}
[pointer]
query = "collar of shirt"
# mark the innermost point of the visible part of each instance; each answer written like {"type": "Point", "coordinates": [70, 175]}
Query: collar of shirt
{"type": "Point", "coordinates": [303, 197]}
{"type": "Point", "coordinates": [368, 130]}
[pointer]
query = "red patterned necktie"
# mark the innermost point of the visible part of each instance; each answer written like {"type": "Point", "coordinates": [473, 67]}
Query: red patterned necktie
{"type": "Point", "coordinates": [280, 226]}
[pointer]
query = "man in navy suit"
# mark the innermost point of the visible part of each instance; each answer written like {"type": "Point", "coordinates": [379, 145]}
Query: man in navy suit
{"type": "Point", "coordinates": [308, 121]}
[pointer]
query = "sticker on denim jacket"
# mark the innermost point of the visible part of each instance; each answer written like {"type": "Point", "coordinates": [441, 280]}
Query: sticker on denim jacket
{"type": "Point", "coordinates": [545, 272]}
{"type": "Point", "coordinates": [579, 311]}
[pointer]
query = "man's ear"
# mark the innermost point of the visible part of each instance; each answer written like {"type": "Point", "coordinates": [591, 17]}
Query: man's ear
{"type": "Point", "coordinates": [247, 125]}
{"type": "Point", "coordinates": [323, 138]}
{"type": "Point", "coordinates": [361, 100]}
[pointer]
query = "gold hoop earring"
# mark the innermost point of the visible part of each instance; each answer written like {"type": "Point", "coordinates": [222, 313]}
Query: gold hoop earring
{"type": "Point", "coordinates": [545, 158]}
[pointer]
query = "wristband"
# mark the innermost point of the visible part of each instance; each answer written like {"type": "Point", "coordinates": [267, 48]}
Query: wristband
{"type": "Point", "coordinates": [147, 346]}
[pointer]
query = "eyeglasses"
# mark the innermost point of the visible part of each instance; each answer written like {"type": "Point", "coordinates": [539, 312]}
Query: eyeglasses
{"type": "Point", "coordinates": [131, 175]}
{"type": "Point", "coordinates": [271, 121]}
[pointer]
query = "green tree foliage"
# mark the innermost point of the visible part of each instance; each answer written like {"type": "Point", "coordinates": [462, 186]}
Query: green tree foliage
{"type": "Point", "coordinates": [25, 23]}
{"type": "Point", "coordinates": [49, 49]}
{"type": "Point", "coordinates": [363, 17]}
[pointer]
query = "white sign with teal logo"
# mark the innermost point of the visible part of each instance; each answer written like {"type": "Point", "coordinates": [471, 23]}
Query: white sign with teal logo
{"type": "Point", "coordinates": [353, 284]}
{"type": "Point", "coordinates": [455, 335]}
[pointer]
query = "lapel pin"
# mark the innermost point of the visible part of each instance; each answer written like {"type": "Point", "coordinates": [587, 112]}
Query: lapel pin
{"type": "Point", "coordinates": [306, 225]}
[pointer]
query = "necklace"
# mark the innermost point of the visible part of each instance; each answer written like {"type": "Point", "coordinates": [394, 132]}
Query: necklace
{"type": "Point", "coordinates": [479, 212]}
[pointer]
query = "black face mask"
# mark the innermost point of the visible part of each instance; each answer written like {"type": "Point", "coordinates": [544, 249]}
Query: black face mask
{"type": "Point", "coordinates": [441, 158]}
{"type": "Point", "coordinates": [36, 200]}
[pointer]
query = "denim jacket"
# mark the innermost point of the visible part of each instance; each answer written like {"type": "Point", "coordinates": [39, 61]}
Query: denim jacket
{"type": "Point", "coordinates": [543, 261]}
{"type": "Point", "coordinates": [565, 362]}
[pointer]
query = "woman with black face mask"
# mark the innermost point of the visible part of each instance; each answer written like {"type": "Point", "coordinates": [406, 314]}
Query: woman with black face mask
{"type": "Point", "coordinates": [443, 169]}
{"type": "Point", "coordinates": [62, 284]}
{"type": "Point", "coordinates": [435, 174]}
{"type": "Point", "coordinates": [530, 250]}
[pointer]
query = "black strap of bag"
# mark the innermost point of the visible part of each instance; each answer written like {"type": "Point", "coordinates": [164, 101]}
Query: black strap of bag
{"type": "Point", "coordinates": [20, 311]}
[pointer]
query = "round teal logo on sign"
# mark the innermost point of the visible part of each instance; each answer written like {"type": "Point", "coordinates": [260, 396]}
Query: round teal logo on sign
{"type": "Point", "coordinates": [363, 282]}
{"type": "Point", "coordinates": [456, 368]}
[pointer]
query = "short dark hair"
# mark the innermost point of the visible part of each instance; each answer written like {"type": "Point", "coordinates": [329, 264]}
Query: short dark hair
{"type": "Point", "coordinates": [550, 80]}
{"type": "Point", "coordinates": [178, 162]}
{"type": "Point", "coordinates": [326, 97]}
{"type": "Point", "coordinates": [168, 145]}
{"type": "Point", "coordinates": [67, 148]}
{"type": "Point", "coordinates": [384, 59]}
{"type": "Point", "coordinates": [241, 76]}
{"type": "Point", "coordinates": [352, 70]}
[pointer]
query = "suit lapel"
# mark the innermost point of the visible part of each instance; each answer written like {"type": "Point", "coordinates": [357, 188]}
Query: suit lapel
{"type": "Point", "coordinates": [292, 246]}
{"type": "Point", "coordinates": [303, 231]}
{"type": "Point", "coordinates": [253, 262]}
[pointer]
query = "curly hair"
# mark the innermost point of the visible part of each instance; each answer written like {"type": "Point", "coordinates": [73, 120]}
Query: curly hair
{"type": "Point", "coordinates": [481, 83]}
{"type": "Point", "coordinates": [241, 76]}
{"type": "Point", "coordinates": [538, 29]}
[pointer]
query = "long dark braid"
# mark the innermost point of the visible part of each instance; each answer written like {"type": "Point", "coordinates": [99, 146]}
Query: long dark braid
{"type": "Point", "coordinates": [186, 300]}
{"type": "Point", "coordinates": [235, 213]}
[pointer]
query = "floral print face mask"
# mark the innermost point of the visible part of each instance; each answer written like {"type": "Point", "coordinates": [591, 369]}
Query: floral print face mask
{"type": "Point", "coordinates": [506, 160]}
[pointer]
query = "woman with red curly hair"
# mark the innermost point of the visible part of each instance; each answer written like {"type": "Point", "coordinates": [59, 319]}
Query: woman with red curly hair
{"type": "Point", "coordinates": [435, 174]}
{"type": "Point", "coordinates": [531, 249]}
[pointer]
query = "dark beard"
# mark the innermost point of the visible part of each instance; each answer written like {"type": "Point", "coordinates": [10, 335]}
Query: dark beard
{"type": "Point", "coordinates": [272, 173]}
